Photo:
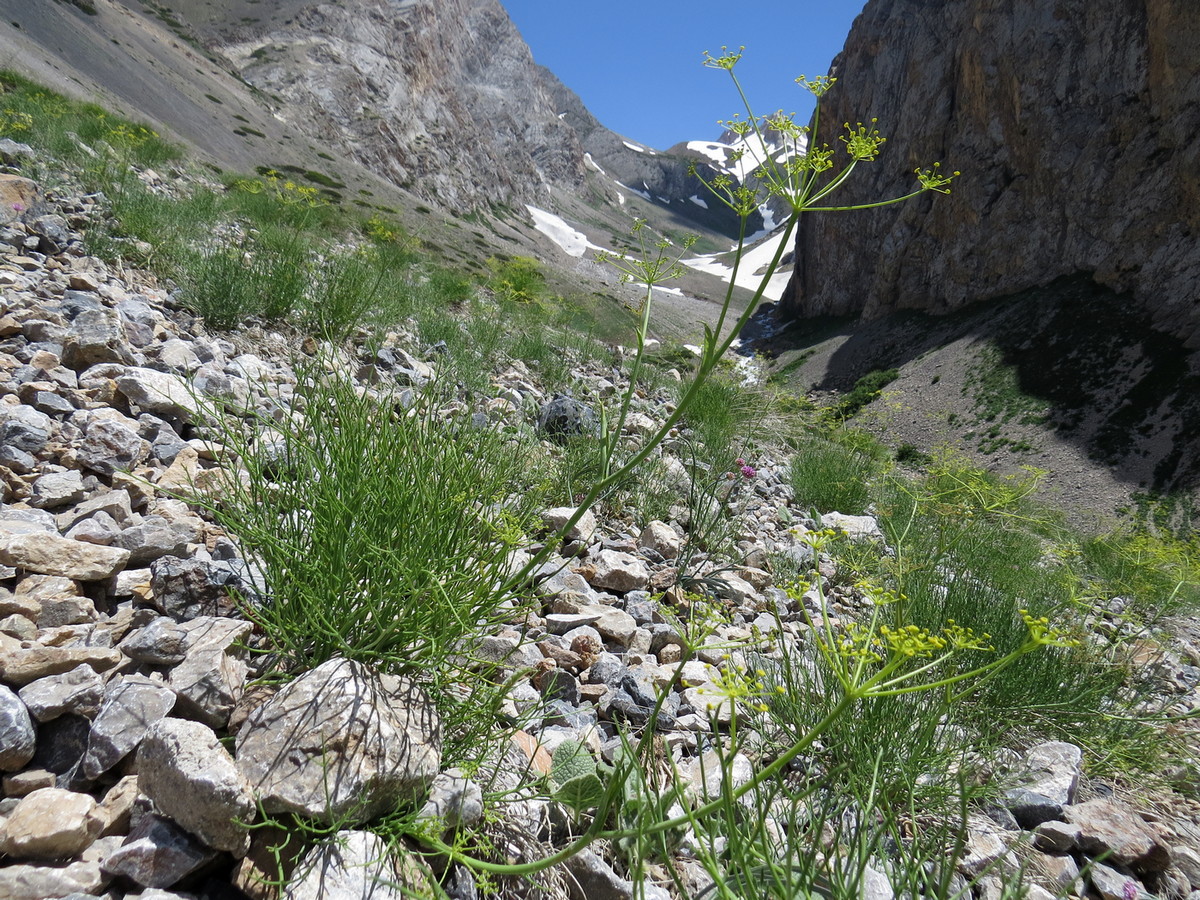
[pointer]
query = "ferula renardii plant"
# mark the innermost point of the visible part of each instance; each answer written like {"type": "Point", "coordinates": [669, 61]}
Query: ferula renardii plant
{"type": "Point", "coordinates": [803, 177]}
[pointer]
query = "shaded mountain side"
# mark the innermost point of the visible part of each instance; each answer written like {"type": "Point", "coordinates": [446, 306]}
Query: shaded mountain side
{"type": "Point", "coordinates": [1072, 377]}
{"type": "Point", "coordinates": [1073, 122]}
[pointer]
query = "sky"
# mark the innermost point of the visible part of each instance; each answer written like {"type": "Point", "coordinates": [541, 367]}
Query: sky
{"type": "Point", "coordinates": [637, 63]}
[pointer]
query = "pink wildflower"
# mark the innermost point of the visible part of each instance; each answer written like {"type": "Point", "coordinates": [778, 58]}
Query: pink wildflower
{"type": "Point", "coordinates": [749, 471]}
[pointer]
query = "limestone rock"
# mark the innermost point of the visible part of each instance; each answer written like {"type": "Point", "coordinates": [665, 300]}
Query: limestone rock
{"type": "Point", "coordinates": [341, 742]}
{"type": "Point", "coordinates": [157, 853]}
{"type": "Point", "coordinates": [159, 643]}
{"type": "Point", "coordinates": [40, 881]}
{"type": "Point", "coordinates": [190, 777]}
{"type": "Point", "coordinates": [1055, 109]}
{"type": "Point", "coordinates": [661, 538]}
{"type": "Point", "coordinates": [583, 530]}
{"type": "Point", "coordinates": [212, 675]}
{"type": "Point", "coordinates": [1109, 827]}
{"type": "Point", "coordinates": [356, 864]}
{"type": "Point", "coordinates": [57, 489]}
{"type": "Point", "coordinates": [79, 691]}
{"type": "Point", "coordinates": [187, 588]}
{"type": "Point", "coordinates": [18, 740]}
{"type": "Point", "coordinates": [453, 800]}
{"type": "Point", "coordinates": [617, 571]}
{"type": "Point", "coordinates": [51, 824]}
{"type": "Point", "coordinates": [594, 879]}
{"type": "Point", "coordinates": [50, 554]}
{"type": "Point", "coordinates": [1044, 783]}
{"type": "Point", "coordinates": [563, 417]}
{"type": "Point", "coordinates": [159, 392]}
{"type": "Point", "coordinates": [25, 664]}
{"type": "Point", "coordinates": [110, 446]}
{"type": "Point", "coordinates": [857, 528]}
{"type": "Point", "coordinates": [96, 336]}
{"type": "Point", "coordinates": [130, 709]}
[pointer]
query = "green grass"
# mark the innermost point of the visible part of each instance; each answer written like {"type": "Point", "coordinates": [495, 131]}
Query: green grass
{"type": "Point", "coordinates": [829, 475]}
{"type": "Point", "coordinates": [406, 520]}
{"type": "Point", "coordinates": [866, 389]}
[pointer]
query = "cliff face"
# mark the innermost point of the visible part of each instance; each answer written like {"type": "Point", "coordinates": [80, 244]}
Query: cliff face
{"type": "Point", "coordinates": [443, 98]}
{"type": "Point", "coordinates": [1074, 123]}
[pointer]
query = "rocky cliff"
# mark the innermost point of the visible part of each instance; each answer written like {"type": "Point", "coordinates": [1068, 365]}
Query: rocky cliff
{"type": "Point", "coordinates": [443, 98]}
{"type": "Point", "coordinates": [1073, 122]}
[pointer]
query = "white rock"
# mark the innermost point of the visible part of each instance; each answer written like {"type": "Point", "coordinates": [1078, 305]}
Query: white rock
{"type": "Point", "coordinates": [857, 528]}
{"type": "Point", "coordinates": [50, 554]}
{"type": "Point", "coordinates": [617, 571]}
{"type": "Point", "coordinates": [51, 823]}
{"type": "Point", "coordinates": [356, 865]}
{"type": "Point", "coordinates": [661, 538]}
{"type": "Point", "coordinates": [190, 777]}
{"type": "Point", "coordinates": [341, 742]}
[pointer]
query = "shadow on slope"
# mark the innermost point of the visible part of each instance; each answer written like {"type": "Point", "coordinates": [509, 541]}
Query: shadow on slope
{"type": "Point", "coordinates": [1081, 361]}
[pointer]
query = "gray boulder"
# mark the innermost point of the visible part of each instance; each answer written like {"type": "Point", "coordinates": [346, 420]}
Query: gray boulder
{"type": "Point", "coordinates": [157, 853]}
{"type": "Point", "coordinates": [341, 742]}
{"type": "Point", "coordinates": [563, 417]}
{"type": "Point", "coordinates": [190, 777]}
{"type": "Point", "coordinates": [357, 865]}
{"type": "Point", "coordinates": [18, 740]}
{"type": "Point", "coordinates": [1044, 783]}
{"type": "Point", "coordinates": [131, 707]}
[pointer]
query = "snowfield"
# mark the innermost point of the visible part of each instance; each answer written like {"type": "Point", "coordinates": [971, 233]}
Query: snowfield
{"type": "Point", "coordinates": [573, 243]}
{"type": "Point", "coordinates": [752, 261]}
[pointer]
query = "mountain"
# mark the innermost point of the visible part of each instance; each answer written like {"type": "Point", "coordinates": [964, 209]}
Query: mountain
{"type": "Point", "coordinates": [402, 104]}
{"type": "Point", "coordinates": [1074, 125]}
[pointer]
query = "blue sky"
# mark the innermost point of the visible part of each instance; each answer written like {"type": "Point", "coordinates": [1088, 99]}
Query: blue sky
{"type": "Point", "coordinates": [636, 63]}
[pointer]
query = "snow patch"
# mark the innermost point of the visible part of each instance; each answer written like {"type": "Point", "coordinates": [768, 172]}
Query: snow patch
{"type": "Point", "coordinates": [699, 201]}
{"type": "Point", "coordinates": [634, 147]}
{"type": "Point", "coordinates": [573, 243]}
{"type": "Point", "coordinates": [588, 161]}
{"type": "Point", "coordinates": [752, 260]}
{"type": "Point", "coordinates": [645, 195]}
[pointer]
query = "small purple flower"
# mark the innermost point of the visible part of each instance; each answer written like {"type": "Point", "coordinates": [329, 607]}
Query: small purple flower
{"type": "Point", "coordinates": [18, 207]}
{"type": "Point", "coordinates": [739, 462]}
{"type": "Point", "coordinates": [749, 471]}
{"type": "Point", "coordinates": [1130, 890]}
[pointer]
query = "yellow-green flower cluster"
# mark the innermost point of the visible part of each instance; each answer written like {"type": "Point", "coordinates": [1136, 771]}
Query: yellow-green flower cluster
{"type": "Point", "coordinates": [124, 135]}
{"type": "Point", "coordinates": [745, 686]}
{"type": "Point", "coordinates": [911, 641]}
{"type": "Point", "coordinates": [13, 121]}
{"type": "Point", "coordinates": [1043, 633]}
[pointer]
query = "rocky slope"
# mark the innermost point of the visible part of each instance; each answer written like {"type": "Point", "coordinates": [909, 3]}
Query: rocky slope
{"type": "Point", "coordinates": [1074, 126]}
{"type": "Point", "coordinates": [135, 742]}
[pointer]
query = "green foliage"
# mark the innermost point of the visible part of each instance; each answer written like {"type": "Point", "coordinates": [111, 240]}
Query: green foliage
{"type": "Point", "coordinates": [1158, 575]}
{"type": "Point", "coordinates": [46, 120]}
{"type": "Point", "coordinates": [574, 776]}
{"type": "Point", "coordinates": [381, 537]}
{"type": "Point", "coordinates": [724, 417]}
{"type": "Point", "coordinates": [864, 391]}
{"type": "Point", "coordinates": [266, 276]}
{"type": "Point", "coordinates": [828, 475]}
{"type": "Point", "coordinates": [344, 292]}
{"type": "Point", "coordinates": [518, 279]}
